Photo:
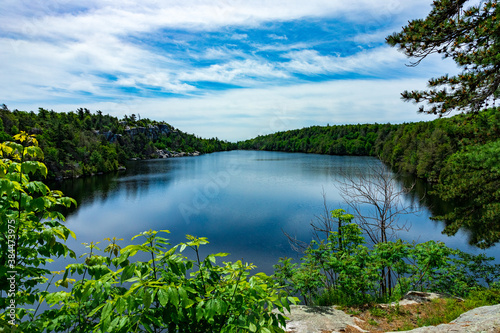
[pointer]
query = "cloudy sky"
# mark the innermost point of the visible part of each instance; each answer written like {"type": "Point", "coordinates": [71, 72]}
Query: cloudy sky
{"type": "Point", "coordinates": [217, 68]}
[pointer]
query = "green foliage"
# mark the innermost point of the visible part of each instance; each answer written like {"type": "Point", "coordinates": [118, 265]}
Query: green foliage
{"type": "Point", "coordinates": [471, 180]}
{"type": "Point", "coordinates": [335, 264]}
{"type": "Point", "coordinates": [469, 36]}
{"type": "Point", "coordinates": [420, 148]}
{"type": "Point", "coordinates": [169, 292]}
{"type": "Point", "coordinates": [81, 143]}
{"type": "Point", "coordinates": [485, 297]}
{"type": "Point", "coordinates": [342, 270]}
{"type": "Point", "coordinates": [31, 231]}
{"type": "Point", "coordinates": [333, 140]}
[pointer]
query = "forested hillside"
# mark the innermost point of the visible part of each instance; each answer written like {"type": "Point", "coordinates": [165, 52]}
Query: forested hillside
{"type": "Point", "coordinates": [420, 148]}
{"type": "Point", "coordinates": [460, 155]}
{"type": "Point", "coordinates": [83, 143]}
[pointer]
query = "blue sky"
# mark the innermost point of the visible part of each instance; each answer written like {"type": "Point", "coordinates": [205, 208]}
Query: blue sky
{"type": "Point", "coordinates": [222, 68]}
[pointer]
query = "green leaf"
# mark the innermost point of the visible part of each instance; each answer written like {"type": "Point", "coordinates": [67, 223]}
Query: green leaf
{"type": "Point", "coordinates": [93, 312]}
{"type": "Point", "coordinates": [147, 327]}
{"type": "Point", "coordinates": [121, 305]}
{"type": "Point", "coordinates": [127, 273]}
{"type": "Point", "coordinates": [147, 299]}
{"type": "Point", "coordinates": [162, 296]}
{"type": "Point", "coordinates": [106, 310]}
{"type": "Point", "coordinates": [113, 324]}
{"type": "Point", "coordinates": [173, 296]}
{"type": "Point", "coordinates": [183, 247]}
{"type": "Point", "coordinates": [200, 311]}
{"type": "Point", "coordinates": [183, 296]}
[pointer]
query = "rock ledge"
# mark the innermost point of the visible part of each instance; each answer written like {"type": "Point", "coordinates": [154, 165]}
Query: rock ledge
{"type": "Point", "coordinates": [327, 319]}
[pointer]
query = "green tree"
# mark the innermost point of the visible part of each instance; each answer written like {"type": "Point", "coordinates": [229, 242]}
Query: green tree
{"type": "Point", "coordinates": [340, 269]}
{"type": "Point", "coordinates": [471, 180]}
{"type": "Point", "coordinates": [30, 228]}
{"type": "Point", "coordinates": [471, 37]}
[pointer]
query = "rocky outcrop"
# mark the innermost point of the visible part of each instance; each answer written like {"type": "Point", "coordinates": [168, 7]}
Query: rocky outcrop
{"type": "Point", "coordinates": [152, 132]}
{"type": "Point", "coordinates": [485, 319]}
{"type": "Point", "coordinates": [319, 319]}
{"type": "Point", "coordinates": [327, 319]}
{"type": "Point", "coordinates": [166, 153]}
{"type": "Point", "coordinates": [417, 297]}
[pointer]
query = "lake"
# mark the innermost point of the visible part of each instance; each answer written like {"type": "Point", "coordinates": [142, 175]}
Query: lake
{"type": "Point", "coordinates": [242, 201]}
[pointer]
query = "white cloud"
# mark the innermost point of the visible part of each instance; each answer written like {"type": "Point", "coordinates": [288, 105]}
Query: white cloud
{"type": "Point", "coordinates": [234, 72]}
{"type": "Point", "coordinates": [283, 47]}
{"type": "Point", "coordinates": [239, 36]}
{"type": "Point", "coordinates": [157, 79]}
{"type": "Point", "coordinates": [372, 61]}
{"type": "Point", "coordinates": [123, 17]}
{"type": "Point", "coordinates": [373, 37]}
{"type": "Point", "coordinates": [274, 36]}
{"type": "Point", "coordinates": [75, 65]}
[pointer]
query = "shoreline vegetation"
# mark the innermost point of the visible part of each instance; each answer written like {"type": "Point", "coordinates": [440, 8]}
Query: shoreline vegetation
{"type": "Point", "coordinates": [458, 156]}
{"type": "Point", "coordinates": [419, 148]}
{"type": "Point", "coordinates": [111, 290]}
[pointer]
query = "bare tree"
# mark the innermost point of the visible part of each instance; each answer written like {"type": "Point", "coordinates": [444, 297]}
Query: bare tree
{"type": "Point", "coordinates": [377, 201]}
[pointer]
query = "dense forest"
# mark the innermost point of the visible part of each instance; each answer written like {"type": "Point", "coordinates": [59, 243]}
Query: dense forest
{"type": "Point", "coordinates": [84, 143]}
{"type": "Point", "coordinates": [460, 155]}
{"type": "Point", "coordinates": [420, 148]}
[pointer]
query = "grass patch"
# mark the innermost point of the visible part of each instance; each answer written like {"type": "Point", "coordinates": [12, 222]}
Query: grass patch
{"type": "Point", "coordinates": [440, 311]}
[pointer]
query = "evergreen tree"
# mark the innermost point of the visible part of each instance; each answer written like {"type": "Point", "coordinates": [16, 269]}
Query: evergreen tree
{"type": "Point", "coordinates": [471, 37]}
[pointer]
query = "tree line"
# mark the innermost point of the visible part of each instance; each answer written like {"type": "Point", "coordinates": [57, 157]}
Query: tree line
{"type": "Point", "coordinates": [459, 155]}
{"type": "Point", "coordinates": [79, 143]}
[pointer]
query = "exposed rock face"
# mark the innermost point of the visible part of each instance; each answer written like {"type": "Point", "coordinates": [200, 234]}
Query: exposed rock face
{"type": "Point", "coordinates": [151, 132]}
{"type": "Point", "coordinates": [416, 297]}
{"type": "Point", "coordinates": [319, 319]}
{"type": "Point", "coordinates": [485, 319]}
{"type": "Point", "coordinates": [327, 319]}
{"type": "Point", "coordinates": [166, 153]}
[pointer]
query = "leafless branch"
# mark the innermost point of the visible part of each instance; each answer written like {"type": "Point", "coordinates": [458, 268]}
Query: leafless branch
{"type": "Point", "coordinates": [377, 202]}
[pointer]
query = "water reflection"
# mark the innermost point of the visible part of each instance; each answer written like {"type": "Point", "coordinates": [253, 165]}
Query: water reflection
{"type": "Point", "coordinates": [422, 195]}
{"type": "Point", "coordinates": [240, 200]}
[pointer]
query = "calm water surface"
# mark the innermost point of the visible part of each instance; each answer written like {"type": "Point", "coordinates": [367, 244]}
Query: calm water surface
{"type": "Point", "coordinates": [240, 200]}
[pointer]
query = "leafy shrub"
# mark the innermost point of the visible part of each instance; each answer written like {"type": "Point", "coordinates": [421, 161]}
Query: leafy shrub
{"type": "Point", "coordinates": [30, 228]}
{"type": "Point", "coordinates": [342, 270]}
{"type": "Point", "coordinates": [167, 293]}
{"type": "Point", "coordinates": [111, 292]}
